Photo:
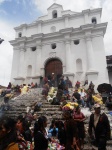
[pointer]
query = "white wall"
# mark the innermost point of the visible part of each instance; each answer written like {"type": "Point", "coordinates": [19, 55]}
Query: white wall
{"type": "Point", "coordinates": [15, 65]}
{"type": "Point", "coordinates": [74, 21]}
{"type": "Point", "coordinates": [100, 59]}
{"type": "Point", "coordinates": [110, 77]}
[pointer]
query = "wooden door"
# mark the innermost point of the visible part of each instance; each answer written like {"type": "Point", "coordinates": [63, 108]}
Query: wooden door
{"type": "Point", "coordinates": [54, 66]}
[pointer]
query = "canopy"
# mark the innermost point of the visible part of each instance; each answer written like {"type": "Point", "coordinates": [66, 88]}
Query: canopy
{"type": "Point", "coordinates": [104, 87]}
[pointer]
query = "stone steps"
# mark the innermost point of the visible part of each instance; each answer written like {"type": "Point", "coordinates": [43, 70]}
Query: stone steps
{"type": "Point", "coordinates": [20, 103]}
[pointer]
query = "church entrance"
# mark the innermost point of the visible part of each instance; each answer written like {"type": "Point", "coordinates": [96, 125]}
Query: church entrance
{"type": "Point", "coordinates": [53, 68]}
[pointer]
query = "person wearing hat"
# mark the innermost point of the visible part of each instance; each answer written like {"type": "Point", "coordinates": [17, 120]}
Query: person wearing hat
{"type": "Point", "coordinates": [99, 123]}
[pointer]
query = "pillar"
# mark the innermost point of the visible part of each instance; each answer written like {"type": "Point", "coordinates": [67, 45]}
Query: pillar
{"type": "Point", "coordinates": [15, 64]}
{"type": "Point", "coordinates": [66, 22]}
{"type": "Point", "coordinates": [90, 54]}
{"type": "Point", "coordinates": [21, 63]}
{"type": "Point", "coordinates": [38, 59]}
{"type": "Point", "coordinates": [86, 16]}
{"type": "Point", "coordinates": [40, 26]}
{"type": "Point", "coordinates": [68, 56]}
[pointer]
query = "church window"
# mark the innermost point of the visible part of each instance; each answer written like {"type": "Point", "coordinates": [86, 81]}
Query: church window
{"type": "Point", "coordinates": [33, 49]}
{"type": "Point", "coordinates": [76, 42]}
{"type": "Point", "coordinates": [53, 46]}
{"type": "Point", "coordinates": [20, 34]}
{"type": "Point", "coordinates": [94, 21]}
{"type": "Point", "coordinates": [79, 65]}
{"type": "Point", "coordinates": [54, 14]}
{"type": "Point", "coordinates": [53, 29]}
{"type": "Point", "coordinates": [29, 71]}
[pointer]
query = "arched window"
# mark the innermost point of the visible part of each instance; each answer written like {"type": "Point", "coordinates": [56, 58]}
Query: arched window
{"type": "Point", "coordinates": [53, 29]}
{"type": "Point", "coordinates": [19, 34]}
{"type": "Point", "coordinates": [79, 65]}
{"type": "Point", "coordinates": [94, 20]}
{"type": "Point", "coordinates": [54, 14]}
{"type": "Point", "coordinates": [53, 46]}
{"type": "Point", "coordinates": [33, 49]}
{"type": "Point", "coordinates": [76, 42]}
{"type": "Point", "coordinates": [29, 71]}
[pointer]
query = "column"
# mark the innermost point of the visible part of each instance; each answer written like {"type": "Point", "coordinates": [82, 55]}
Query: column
{"type": "Point", "coordinates": [15, 64]}
{"type": "Point", "coordinates": [40, 26]}
{"type": "Point", "coordinates": [66, 22]}
{"type": "Point", "coordinates": [86, 18]}
{"type": "Point", "coordinates": [90, 54]}
{"type": "Point", "coordinates": [38, 59]}
{"type": "Point", "coordinates": [21, 63]}
{"type": "Point", "coordinates": [68, 57]}
{"type": "Point", "coordinates": [86, 15]}
{"type": "Point", "coordinates": [24, 31]}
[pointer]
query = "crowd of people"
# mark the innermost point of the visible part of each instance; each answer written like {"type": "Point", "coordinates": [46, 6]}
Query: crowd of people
{"type": "Point", "coordinates": [31, 132]}
{"type": "Point", "coordinates": [12, 91]}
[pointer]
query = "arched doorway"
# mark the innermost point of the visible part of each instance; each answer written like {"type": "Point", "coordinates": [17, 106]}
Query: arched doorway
{"type": "Point", "coordinates": [53, 66]}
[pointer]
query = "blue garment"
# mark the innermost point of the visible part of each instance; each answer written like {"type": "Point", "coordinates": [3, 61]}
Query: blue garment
{"type": "Point", "coordinates": [65, 92]}
{"type": "Point", "coordinates": [53, 131]}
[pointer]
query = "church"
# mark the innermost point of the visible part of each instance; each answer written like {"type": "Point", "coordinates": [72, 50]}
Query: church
{"type": "Point", "coordinates": [62, 42]}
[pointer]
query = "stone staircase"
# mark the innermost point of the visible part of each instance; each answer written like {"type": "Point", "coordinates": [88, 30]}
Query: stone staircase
{"type": "Point", "coordinates": [19, 104]}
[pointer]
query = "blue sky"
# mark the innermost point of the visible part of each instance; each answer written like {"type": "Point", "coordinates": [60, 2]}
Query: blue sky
{"type": "Point", "coordinates": [16, 12]}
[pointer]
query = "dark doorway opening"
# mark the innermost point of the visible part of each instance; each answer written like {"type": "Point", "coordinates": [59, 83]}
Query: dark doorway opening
{"type": "Point", "coordinates": [54, 68]}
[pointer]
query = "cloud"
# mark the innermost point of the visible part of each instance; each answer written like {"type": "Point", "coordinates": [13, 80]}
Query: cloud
{"type": "Point", "coordinates": [6, 52]}
{"type": "Point", "coordinates": [3, 12]}
{"type": "Point", "coordinates": [1, 1]}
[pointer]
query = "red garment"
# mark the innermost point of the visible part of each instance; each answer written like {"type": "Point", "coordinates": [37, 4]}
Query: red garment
{"type": "Point", "coordinates": [78, 83]}
{"type": "Point", "coordinates": [78, 116]}
{"type": "Point", "coordinates": [45, 80]}
{"type": "Point", "coordinates": [80, 125]}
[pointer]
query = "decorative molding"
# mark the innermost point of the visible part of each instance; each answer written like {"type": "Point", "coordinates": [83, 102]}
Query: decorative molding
{"type": "Point", "coordinates": [52, 54]}
{"type": "Point", "coordinates": [22, 50]}
{"type": "Point", "coordinates": [19, 78]}
{"type": "Point", "coordinates": [87, 27]}
{"type": "Point", "coordinates": [68, 74]}
{"type": "Point", "coordinates": [39, 46]}
{"type": "Point", "coordinates": [28, 76]}
{"type": "Point", "coordinates": [55, 5]}
{"type": "Point", "coordinates": [21, 26]}
{"type": "Point", "coordinates": [37, 36]}
{"type": "Point", "coordinates": [78, 14]}
{"type": "Point", "coordinates": [87, 11]}
{"type": "Point", "coordinates": [50, 58]}
{"type": "Point", "coordinates": [66, 30]}
{"type": "Point", "coordinates": [72, 31]}
{"type": "Point", "coordinates": [67, 41]}
{"type": "Point", "coordinates": [92, 72]}
{"type": "Point", "coordinates": [66, 16]}
{"type": "Point", "coordinates": [79, 73]}
{"type": "Point", "coordinates": [36, 77]}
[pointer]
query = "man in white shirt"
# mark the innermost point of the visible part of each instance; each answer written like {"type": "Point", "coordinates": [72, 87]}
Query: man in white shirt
{"type": "Point", "coordinates": [99, 123]}
{"type": "Point", "coordinates": [83, 96]}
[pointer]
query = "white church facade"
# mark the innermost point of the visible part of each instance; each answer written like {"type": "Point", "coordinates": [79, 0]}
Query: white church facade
{"type": "Point", "coordinates": [61, 42]}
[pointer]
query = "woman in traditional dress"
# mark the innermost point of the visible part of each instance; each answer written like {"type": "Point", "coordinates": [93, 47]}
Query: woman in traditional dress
{"type": "Point", "coordinates": [79, 118]}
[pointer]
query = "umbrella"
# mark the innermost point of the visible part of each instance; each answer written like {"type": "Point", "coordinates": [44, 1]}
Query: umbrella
{"type": "Point", "coordinates": [104, 87]}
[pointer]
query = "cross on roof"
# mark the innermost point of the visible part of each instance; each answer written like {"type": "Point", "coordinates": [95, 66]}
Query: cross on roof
{"type": "Point", "coordinates": [54, 1]}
